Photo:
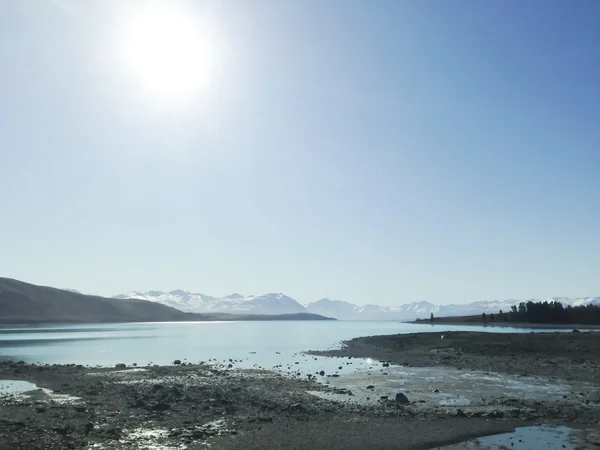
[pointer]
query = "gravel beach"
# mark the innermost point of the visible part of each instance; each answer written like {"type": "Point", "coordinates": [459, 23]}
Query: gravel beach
{"type": "Point", "coordinates": [193, 406]}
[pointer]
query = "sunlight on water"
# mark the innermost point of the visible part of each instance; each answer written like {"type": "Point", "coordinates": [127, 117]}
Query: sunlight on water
{"type": "Point", "coordinates": [252, 344]}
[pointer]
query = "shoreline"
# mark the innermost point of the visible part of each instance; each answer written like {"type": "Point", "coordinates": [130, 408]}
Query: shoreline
{"type": "Point", "coordinates": [500, 324]}
{"type": "Point", "coordinates": [194, 405]}
{"type": "Point", "coordinates": [574, 356]}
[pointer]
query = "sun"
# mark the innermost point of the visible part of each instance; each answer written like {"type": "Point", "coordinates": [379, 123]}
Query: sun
{"type": "Point", "coordinates": [167, 51]}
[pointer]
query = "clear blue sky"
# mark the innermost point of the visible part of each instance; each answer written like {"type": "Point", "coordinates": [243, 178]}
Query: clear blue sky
{"type": "Point", "coordinates": [375, 152]}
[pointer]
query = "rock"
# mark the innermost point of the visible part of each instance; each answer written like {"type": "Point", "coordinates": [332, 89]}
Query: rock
{"type": "Point", "coordinates": [114, 433]}
{"type": "Point", "coordinates": [436, 390]}
{"type": "Point", "coordinates": [88, 427]}
{"type": "Point", "coordinates": [120, 366]}
{"type": "Point", "coordinates": [80, 409]}
{"type": "Point", "coordinates": [177, 362]}
{"type": "Point", "coordinates": [260, 419]}
{"type": "Point", "coordinates": [384, 397]}
{"type": "Point", "coordinates": [370, 387]}
{"type": "Point", "coordinates": [402, 399]}
{"type": "Point", "coordinates": [161, 406]}
{"type": "Point", "coordinates": [576, 330]}
{"type": "Point", "coordinates": [198, 434]}
{"type": "Point", "coordinates": [322, 373]}
{"type": "Point", "coordinates": [386, 364]}
{"type": "Point", "coordinates": [297, 407]}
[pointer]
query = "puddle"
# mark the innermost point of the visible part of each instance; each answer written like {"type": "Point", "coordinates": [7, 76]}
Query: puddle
{"type": "Point", "coordinates": [533, 438]}
{"type": "Point", "coordinates": [454, 400]}
{"type": "Point", "coordinates": [527, 438]}
{"type": "Point", "coordinates": [445, 386]}
{"type": "Point", "coordinates": [162, 439]}
{"type": "Point", "coordinates": [142, 438]}
{"type": "Point", "coordinates": [24, 390]}
{"type": "Point", "coordinates": [8, 387]}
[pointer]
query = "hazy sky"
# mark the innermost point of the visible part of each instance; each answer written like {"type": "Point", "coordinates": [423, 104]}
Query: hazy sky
{"type": "Point", "coordinates": [370, 151]}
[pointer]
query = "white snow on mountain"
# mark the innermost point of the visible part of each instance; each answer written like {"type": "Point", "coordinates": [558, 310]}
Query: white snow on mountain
{"type": "Point", "coordinates": [341, 310]}
{"type": "Point", "coordinates": [422, 310]}
{"type": "Point", "coordinates": [234, 303]}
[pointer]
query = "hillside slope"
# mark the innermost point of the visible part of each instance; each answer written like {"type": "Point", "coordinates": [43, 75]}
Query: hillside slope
{"type": "Point", "coordinates": [22, 302]}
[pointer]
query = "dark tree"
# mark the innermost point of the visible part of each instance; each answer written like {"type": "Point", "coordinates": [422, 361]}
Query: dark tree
{"type": "Point", "coordinates": [492, 317]}
{"type": "Point", "coordinates": [555, 312]}
{"type": "Point", "coordinates": [431, 317]}
{"type": "Point", "coordinates": [484, 317]}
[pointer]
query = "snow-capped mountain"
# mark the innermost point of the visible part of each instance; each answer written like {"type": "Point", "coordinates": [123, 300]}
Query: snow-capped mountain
{"type": "Point", "coordinates": [348, 311]}
{"type": "Point", "coordinates": [333, 308]}
{"type": "Point", "coordinates": [234, 303]}
{"type": "Point", "coordinates": [338, 309]}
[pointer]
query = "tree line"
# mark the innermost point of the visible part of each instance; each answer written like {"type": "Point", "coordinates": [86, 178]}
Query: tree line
{"type": "Point", "coordinates": [534, 312]}
{"type": "Point", "coordinates": [548, 312]}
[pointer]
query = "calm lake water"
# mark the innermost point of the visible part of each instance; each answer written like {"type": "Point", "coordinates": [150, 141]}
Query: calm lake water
{"type": "Point", "coordinates": [252, 344]}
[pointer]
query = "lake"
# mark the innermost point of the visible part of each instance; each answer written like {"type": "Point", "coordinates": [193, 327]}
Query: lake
{"type": "Point", "coordinates": [250, 344]}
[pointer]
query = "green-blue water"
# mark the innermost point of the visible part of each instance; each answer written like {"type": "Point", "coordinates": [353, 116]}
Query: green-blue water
{"type": "Point", "coordinates": [263, 344]}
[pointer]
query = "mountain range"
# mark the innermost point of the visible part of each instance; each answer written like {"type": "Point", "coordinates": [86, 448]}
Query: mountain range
{"type": "Point", "coordinates": [28, 303]}
{"type": "Point", "coordinates": [281, 304]}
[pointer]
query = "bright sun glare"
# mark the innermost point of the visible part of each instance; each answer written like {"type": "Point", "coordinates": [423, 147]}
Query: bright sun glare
{"type": "Point", "coordinates": [167, 52]}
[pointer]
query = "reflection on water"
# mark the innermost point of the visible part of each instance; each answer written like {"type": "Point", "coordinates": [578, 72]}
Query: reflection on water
{"type": "Point", "coordinates": [15, 387]}
{"type": "Point", "coordinates": [253, 343]}
{"type": "Point", "coordinates": [527, 438]}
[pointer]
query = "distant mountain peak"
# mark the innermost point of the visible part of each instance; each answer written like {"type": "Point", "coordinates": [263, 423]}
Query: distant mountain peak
{"type": "Point", "coordinates": [279, 303]}
{"type": "Point", "coordinates": [273, 303]}
{"type": "Point", "coordinates": [155, 293]}
{"type": "Point", "coordinates": [179, 292]}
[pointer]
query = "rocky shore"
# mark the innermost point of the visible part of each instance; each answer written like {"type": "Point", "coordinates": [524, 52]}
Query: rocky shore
{"type": "Point", "coordinates": [193, 406]}
{"type": "Point", "coordinates": [572, 356]}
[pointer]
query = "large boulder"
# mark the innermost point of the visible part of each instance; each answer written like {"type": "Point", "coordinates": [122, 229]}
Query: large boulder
{"type": "Point", "coordinates": [402, 399]}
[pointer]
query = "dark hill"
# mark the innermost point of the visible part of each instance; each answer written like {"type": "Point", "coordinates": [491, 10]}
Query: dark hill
{"type": "Point", "coordinates": [28, 303]}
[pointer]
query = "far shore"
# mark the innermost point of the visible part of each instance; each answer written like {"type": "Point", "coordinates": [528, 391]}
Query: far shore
{"type": "Point", "coordinates": [449, 321]}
